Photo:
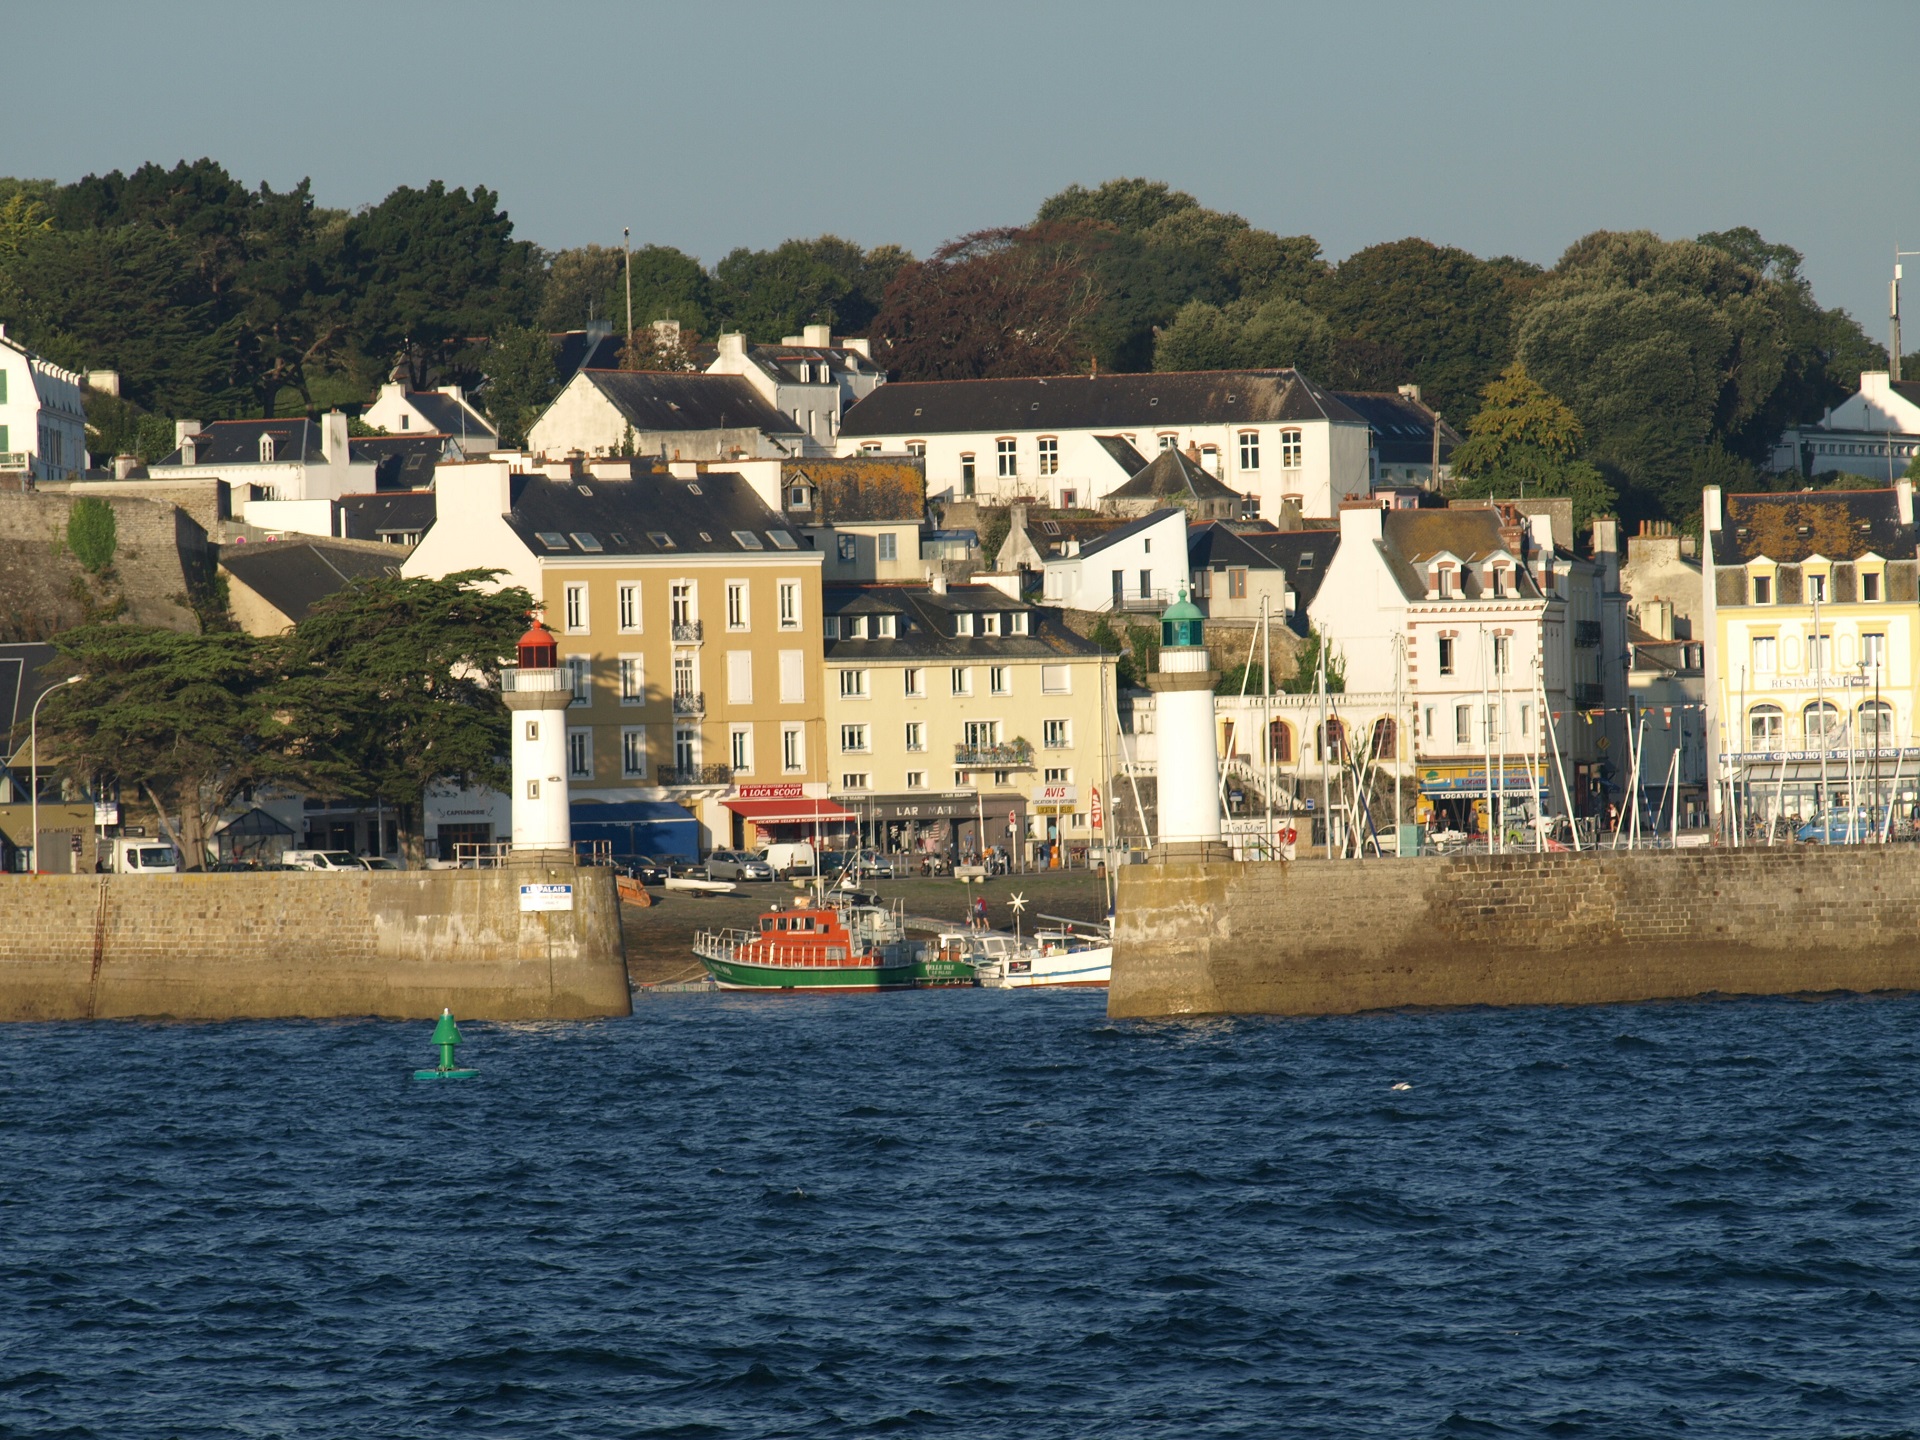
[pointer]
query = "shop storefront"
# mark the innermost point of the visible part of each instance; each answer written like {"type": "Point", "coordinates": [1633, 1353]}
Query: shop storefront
{"type": "Point", "coordinates": [1791, 787]}
{"type": "Point", "coordinates": [778, 814]}
{"type": "Point", "coordinates": [1457, 797]}
{"type": "Point", "coordinates": [947, 823]}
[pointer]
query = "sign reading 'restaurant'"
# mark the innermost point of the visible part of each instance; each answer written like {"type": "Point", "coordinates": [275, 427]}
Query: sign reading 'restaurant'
{"type": "Point", "coordinates": [546, 897]}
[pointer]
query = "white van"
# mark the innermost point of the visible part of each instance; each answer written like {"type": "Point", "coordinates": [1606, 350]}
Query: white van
{"type": "Point", "coordinates": [144, 857]}
{"type": "Point", "coordinates": [323, 860]}
{"type": "Point", "coordinates": [789, 857]}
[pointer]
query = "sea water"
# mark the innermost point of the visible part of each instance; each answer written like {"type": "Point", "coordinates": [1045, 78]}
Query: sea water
{"type": "Point", "coordinates": [969, 1214]}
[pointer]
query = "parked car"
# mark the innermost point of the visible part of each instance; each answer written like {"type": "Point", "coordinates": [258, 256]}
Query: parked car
{"type": "Point", "coordinates": [330, 860]}
{"type": "Point", "coordinates": [644, 868]}
{"type": "Point", "coordinates": [1838, 827]}
{"type": "Point", "coordinates": [737, 865]}
{"type": "Point", "coordinates": [871, 865]}
{"type": "Point", "coordinates": [380, 862]}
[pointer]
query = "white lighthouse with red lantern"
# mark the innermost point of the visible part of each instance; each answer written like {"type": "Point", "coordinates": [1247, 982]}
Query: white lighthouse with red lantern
{"type": "Point", "coordinates": [538, 693]}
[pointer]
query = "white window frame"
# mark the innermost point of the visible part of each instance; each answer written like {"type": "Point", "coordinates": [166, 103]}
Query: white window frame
{"type": "Point", "coordinates": [579, 752]}
{"type": "Point", "coordinates": [739, 607]}
{"type": "Point", "coordinates": [886, 546]}
{"type": "Point", "coordinates": [856, 739]}
{"type": "Point", "coordinates": [793, 749]}
{"type": "Point", "coordinates": [962, 679]}
{"type": "Point", "coordinates": [855, 685]}
{"type": "Point", "coordinates": [913, 681]}
{"type": "Point", "coordinates": [1049, 447]}
{"type": "Point", "coordinates": [740, 748]}
{"type": "Point", "coordinates": [633, 679]}
{"type": "Point", "coordinates": [1000, 679]}
{"type": "Point", "coordinates": [1292, 448]}
{"type": "Point", "coordinates": [579, 677]}
{"type": "Point", "coordinates": [790, 605]}
{"type": "Point", "coordinates": [856, 780]}
{"type": "Point", "coordinates": [1249, 449]}
{"type": "Point", "coordinates": [631, 610]}
{"type": "Point", "coordinates": [633, 748]}
{"type": "Point", "coordinates": [1007, 459]}
{"type": "Point", "coordinates": [916, 735]}
{"type": "Point", "coordinates": [916, 779]}
{"type": "Point", "coordinates": [578, 616]}
{"type": "Point", "coordinates": [1056, 734]}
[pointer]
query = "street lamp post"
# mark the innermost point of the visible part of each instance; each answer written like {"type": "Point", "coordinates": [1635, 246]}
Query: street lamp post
{"type": "Point", "coordinates": [33, 765]}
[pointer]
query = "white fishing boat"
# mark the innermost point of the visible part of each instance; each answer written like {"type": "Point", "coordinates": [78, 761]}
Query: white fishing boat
{"type": "Point", "coordinates": [1063, 957]}
{"type": "Point", "coordinates": [697, 886]}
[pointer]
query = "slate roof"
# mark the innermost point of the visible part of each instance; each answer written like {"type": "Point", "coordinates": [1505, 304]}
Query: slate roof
{"type": "Point", "coordinates": [448, 415]}
{"type": "Point", "coordinates": [775, 360]}
{"type": "Point", "coordinates": [401, 462]}
{"type": "Point", "coordinates": [366, 516]}
{"type": "Point", "coordinates": [1409, 538]}
{"type": "Point", "coordinates": [857, 489]}
{"type": "Point", "coordinates": [1303, 554]}
{"type": "Point", "coordinates": [1130, 460]}
{"type": "Point", "coordinates": [294, 576]}
{"type": "Point", "coordinates": [1836, 524]}
{"type": "Point", "coordinates": [656, 400]}
{"type": "Point", "coordinates": [21, 683]}
{"type": "Point", "coordinates": [577, 350]}
{"type": "Point", "coordinates": [1174, 476]}
{"type": "Point", "coordinates": [629, 517]}
{"type": "Point", "coordinates": [1093, 402]}
{"type": "Point", "coordinates": [1122, 532]}
{"type": "Point", "coordinates": [237, 442]}
{"type": "Point", "coordinates": [1402, 428]}
{"type": "Point", "coordinates": [927, 623]}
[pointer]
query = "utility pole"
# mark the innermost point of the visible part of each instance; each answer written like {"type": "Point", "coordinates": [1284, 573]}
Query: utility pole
{"type": "Point", "coordinates": [626, 244]}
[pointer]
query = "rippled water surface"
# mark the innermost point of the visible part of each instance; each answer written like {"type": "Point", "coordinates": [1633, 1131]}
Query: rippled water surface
{"type": "Point", "coordinates": [969, 1214]}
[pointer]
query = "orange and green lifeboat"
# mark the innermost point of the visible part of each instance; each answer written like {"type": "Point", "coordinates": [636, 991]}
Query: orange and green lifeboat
{"type": "Point", "coordinates": [812, 947]}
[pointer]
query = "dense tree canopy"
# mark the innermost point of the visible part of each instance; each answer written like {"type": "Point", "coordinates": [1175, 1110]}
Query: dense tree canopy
{"type": "Point", "coordinates": [1526, 442]}
{"type": "Point", "coordinates": [1680, 359]}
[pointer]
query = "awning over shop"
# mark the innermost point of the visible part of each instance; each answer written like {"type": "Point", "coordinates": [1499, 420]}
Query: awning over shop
{"type": "Point", "coordinates": [799, 811]}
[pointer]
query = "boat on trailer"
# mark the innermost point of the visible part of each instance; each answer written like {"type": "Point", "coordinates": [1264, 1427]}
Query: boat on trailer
{"type": "Point", "coordinates": [813, 945]}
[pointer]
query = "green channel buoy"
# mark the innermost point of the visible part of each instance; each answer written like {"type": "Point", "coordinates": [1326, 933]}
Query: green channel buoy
{"type": "Point", "coordinates": [447, 1036]}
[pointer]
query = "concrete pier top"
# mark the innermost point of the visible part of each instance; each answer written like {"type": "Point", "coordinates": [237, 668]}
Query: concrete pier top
{"type": "Point", "coordinates": [1343, 936]}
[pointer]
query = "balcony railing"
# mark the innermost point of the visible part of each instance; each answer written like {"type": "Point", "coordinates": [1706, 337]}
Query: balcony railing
{"type": "Point", "coordinates": [686, 632]}
{"type": "Point", "coordinates": [689, 702]}
{"type": "Point", "coordinates": [694, 775]}
{"type": "Point", "coordinates": [1589, 697]}
{"type": "Point", "coordinates": [1586, 634]}
{"type": "Point", "coordinates": [1015, 755]}
{"type": "Point", "coordinates": [1154, 601]}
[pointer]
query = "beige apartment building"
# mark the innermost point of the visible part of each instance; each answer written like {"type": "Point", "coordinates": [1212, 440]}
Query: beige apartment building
{"type": "Point", "coordinates": [960, 719]}
{"type": "Point", "coordinates": [688, 611]}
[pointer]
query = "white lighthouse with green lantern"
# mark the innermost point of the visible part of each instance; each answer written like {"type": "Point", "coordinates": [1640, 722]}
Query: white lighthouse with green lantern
{"type": "Point", "coordinates": [1189, 764]}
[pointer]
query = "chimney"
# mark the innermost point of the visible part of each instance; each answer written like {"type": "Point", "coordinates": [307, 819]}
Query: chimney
{"type": "Point", "coordinates": [104, 382]}
{"type": "Point", "coordinates": [125, 465]}
{"type": "Point", "coordinates": [1361, 523]}
{"type": "Point", "coordinates": [858, 346]}
{"type": "Point", "coordinates": [452, 392]}
{"type": "Point", "coordinates": [819, 336]}
{"type": "Point", "coordinates": [182, 429]}
{"type": "Point", "coordinates": [1710, 508]}
{"type": "Point", "coordinates": [733, 346]}
{"type": "Point", "coordinates": [333, 437]}
{"type": "Point", "coordinates": [1903, 492]}
{"type": "Point", "coordinates": [1193, 451]}
{"type": "Point", "coordinates": [1016, 519]}
{"type": "Point", "coordinates": [939, 582]}
{"type": "Point", "coordinates": [1410, 392]}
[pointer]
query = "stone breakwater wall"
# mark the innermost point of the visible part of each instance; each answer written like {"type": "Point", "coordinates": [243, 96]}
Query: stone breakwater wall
{"type": "Point", "coordinates": [1334, 938]}
{"type": "Point", "coordinates": [290, 944]}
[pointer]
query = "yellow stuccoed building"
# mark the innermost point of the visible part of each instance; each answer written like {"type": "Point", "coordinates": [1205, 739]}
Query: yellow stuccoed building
{"type": "Point", "coordinates": [960, 720]}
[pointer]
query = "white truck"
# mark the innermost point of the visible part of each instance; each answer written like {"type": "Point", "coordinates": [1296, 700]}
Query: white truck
{"type": "Point", "coordinates": [323, 860]}
{"type": "Point", "coordinates": [144, 857]}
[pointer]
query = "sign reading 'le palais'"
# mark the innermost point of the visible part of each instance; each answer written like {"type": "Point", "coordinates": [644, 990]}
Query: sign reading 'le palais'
{"type": "Point", "coordinates": [546, 897]}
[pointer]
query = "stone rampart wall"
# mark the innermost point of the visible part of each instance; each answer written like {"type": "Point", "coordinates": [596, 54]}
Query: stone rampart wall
{"type": "Point", "coordinates": [1332, 938]}
{"type": "Point", "coordinates": [285, 944]}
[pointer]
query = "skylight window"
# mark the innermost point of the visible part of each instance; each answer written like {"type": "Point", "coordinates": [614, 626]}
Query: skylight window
{"type": "Point", "coordinates": [694, 489]}
{"type": "Point", "coordinates": [619, 539]}
{"type": "Point", "coordinates": [587, 542]}
{"type": "Point", "coordinates": [661, 538]}
{"type": "Point", "coordinates": [781, 540]}
{"type": "Point", "coordinates": [586, 490]}
{"type": "Point", "coordinates": [552, 539]}
{"type": "Point", "coordinates": [1306, 559]}
{"type": "Point", "coordinates": [1052, 527]}
{"type": "Point", "coordinates": [705, 538]}
{"type": "Point", "coordinates": [748, 540]}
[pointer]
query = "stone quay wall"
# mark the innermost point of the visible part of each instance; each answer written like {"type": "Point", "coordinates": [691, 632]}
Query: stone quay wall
{"type": "Point", "coordinates": [1337, 937]}
{"type": "Point", "coordinates": [287, 944]}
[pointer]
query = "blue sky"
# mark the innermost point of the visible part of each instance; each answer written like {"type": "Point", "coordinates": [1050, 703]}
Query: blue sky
{"type": "Point", "coordinates": [1501, 127]}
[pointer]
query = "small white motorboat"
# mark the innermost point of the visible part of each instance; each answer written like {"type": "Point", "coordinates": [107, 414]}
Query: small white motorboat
{"type": "Point", "coordinates": [1051, 958]}
{"type": "Point", "coordinates": [696, 886]}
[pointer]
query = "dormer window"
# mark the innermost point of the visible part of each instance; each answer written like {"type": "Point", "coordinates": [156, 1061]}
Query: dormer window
{"type": "Point", "coordinates": [266, 449]}
{"type": "Point", "coordinates": [992, 623]}
{"type": "Point", "coordinates": [856, 627]}
{"type": "Point", "coordinates": [1017, 622]}
{"type": "Point", "coordinates": [1763, 589]}
{"type": "Point", "coordinates": [799, 499]}
{"type": "Point", "coordinates": [885, 626]}
{"type": "Point", "coordinates": [1443, 583]}
{"type": "Point", "coordinates": [963, 624]}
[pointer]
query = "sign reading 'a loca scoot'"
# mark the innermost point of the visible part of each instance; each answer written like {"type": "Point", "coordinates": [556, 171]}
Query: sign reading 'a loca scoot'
{"type": "Point", "coordinates": [546, 897]}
